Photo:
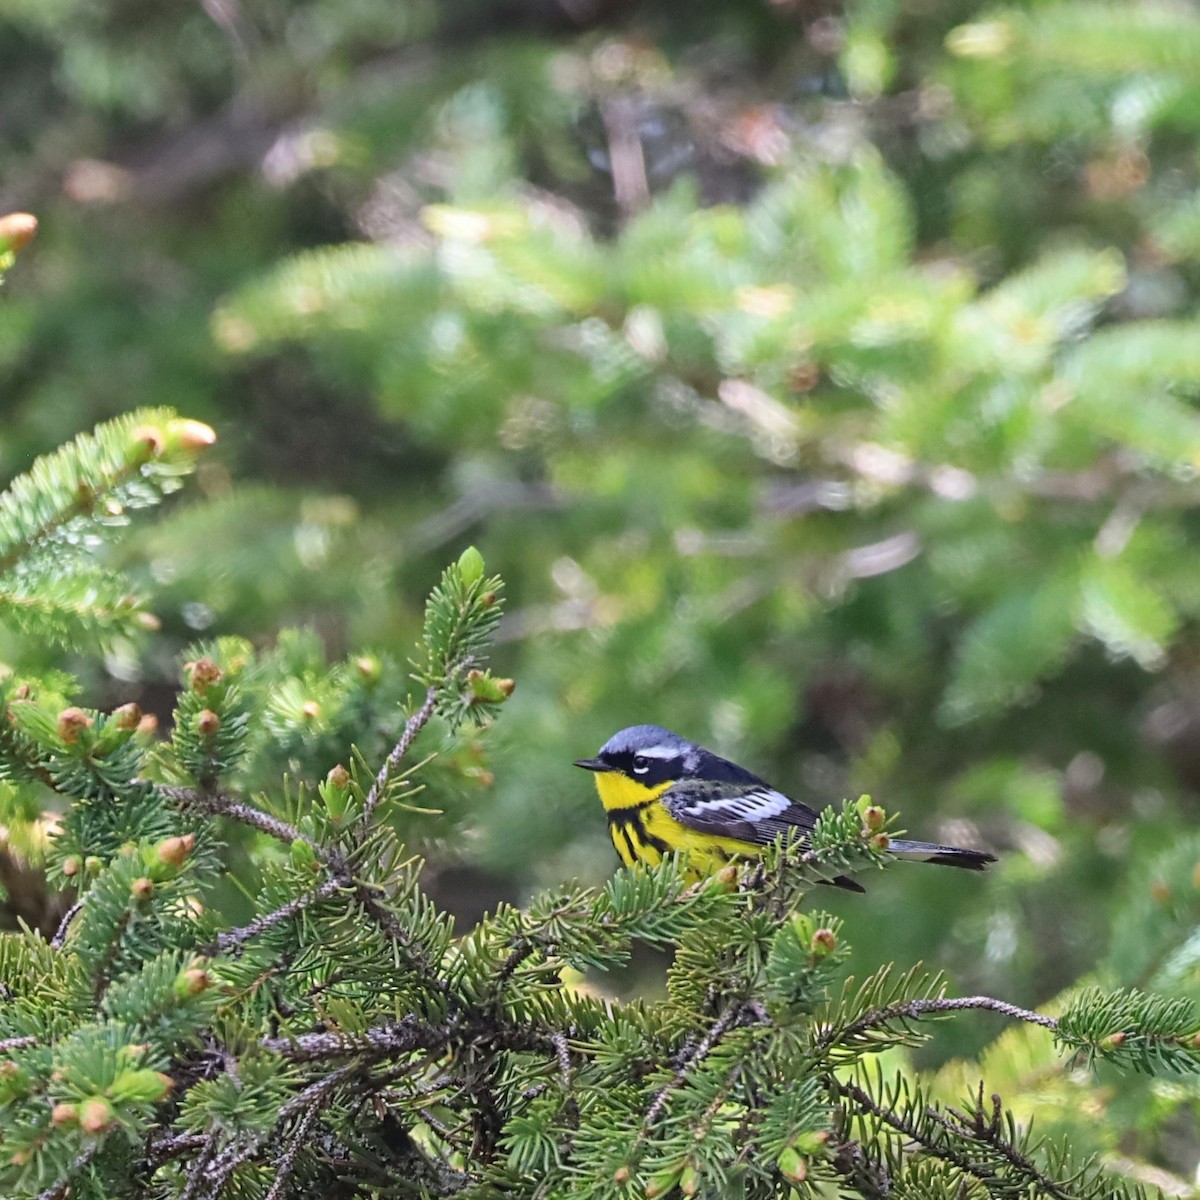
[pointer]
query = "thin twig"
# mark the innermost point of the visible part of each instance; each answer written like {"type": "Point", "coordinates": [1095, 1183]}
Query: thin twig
{"type": "Point", "coordinates": [60, 934]}
{"type": "Point", "coordinates": [60, 1188]}
{"type": "Point", "coordinates": [311, 1099]}
{"type": "Point", "coordinates": [163, 1145]}
{"type": "Point", "coordinates": [287, 1160]}
{"type": "Point", "coordinates": [223, 805]}
{"type": "Point", "coordinates": [888, 1117]}
{"type": "Point", "coordinates": [563, 1051]}
{"type": "Point", "coordinates": [520, 952]}
{"type": "Point", "coordinates": [911, 1009]}
{"type": "Point", "coordinates": [412, 727]}
{"type": "Point", "coordinates": [17, 1043]}
{"type": "Point", "coordinates": [977, 1126]}
{"type": "Point", "coordinates": [216, 1176]}
{"type": "Point", "coordinates": [693, 1059]}
{"type": "Point", "coordinates": [626, 157]}
{"type": "Point", "coordinates": [392, 928]}
{"type": "Point", "coordinates": [232, 938]}
{"type": "Point", "coordinates": [316, 1090]}
{"type": "Point", "coordinates": [407, 1035]}
{"type": "Point", "coordinates": [198, 1175]}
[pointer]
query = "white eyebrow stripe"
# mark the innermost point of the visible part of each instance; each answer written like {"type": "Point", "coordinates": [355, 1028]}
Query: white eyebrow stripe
{"type": "Point", "coordinates": [659, 752]}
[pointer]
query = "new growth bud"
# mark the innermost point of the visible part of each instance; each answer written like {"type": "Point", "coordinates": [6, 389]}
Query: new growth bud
{"type": "Point", "coordinates": [192, 982]}
{"type": "Point", "coordinates": [824, 942]}
{"type": "Point", "coordinates": [470, 566]}
{"type": "Point", "coordinates": [792, 1165]}
{"type": "Point", "coordinates": [145, 1085]}
{"type": "Point", "coordinates": [304, 857]}
{"type": "Point", "coordinates": [142, 888]}
{"type": "Point", "coordinates": [16, 231]}
{"type": "Point", "coordinates": [192, 435]}
{"type": "Point", "coordinates": [487, 690]}
{"type": "Point", "coordinates": [96, 1115]}
{"type": "Point", "coordinates": [202, 674]}
{"type": "Point", "coordinates": [874, 818]}
{"type": "Point", "coordinates": [64, 1114]}
{"type": "Point", "coordinates": [127, 717]}
{"type": "Point", "coordinates": [207, 723]}
{"type": "Point", "coordinates": [726, 877]}
{"type": "Point", "coordinates": [72, 722]}
{"type": "Point", "coordinates": [175, 851]}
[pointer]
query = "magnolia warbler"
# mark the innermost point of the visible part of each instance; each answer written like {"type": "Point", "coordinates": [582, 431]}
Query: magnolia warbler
{"type": "Point", "coordinates": [663, 793]}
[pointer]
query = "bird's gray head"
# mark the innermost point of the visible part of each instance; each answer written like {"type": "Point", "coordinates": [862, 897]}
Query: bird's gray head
{"type": "Point", "coordinates": [646, 753]}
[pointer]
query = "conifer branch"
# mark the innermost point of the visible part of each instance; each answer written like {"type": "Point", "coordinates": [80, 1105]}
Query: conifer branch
{"type": "Point", "coordinates": [198, 1176]}
{"type": "Point", "coordinates": [523, 950]}
{"type": "Point", "coordinates": [223, 805]}
{"type": "Point", "coordinates": [901, 1124]}
{"type": "Point", "coordinates": [110, 957]}
{"type": "Point", "coordinates": [693, 1059]}
{"type": "Point", "coordinates": [60, 934]}
{"type": "Point", "coordinates": [212, 1182]}
{"type": "Point", "coordinates": [62, 1188]}
{"type": "Point", "coordinates": [287, 1160]}
{"type": "Point", "coordinates": [231, 939]}
{"type": "Point", "coordinates": [309, 1101]}
{"type": "Point", "coordinates": [395, 932]}
{"type": "Point", "coordinates": [407, 1035]}
{"type": "Point", "coordinates": [914, 1009]}
{"type": "Point", "coordinates": [412, 727]}
{"type": "Point", "coordinates": [976, 1126]}
{"type": "Point", "coordinates": [17, 1043]}
{"type": "Point", "coordinates": [164, 1145]}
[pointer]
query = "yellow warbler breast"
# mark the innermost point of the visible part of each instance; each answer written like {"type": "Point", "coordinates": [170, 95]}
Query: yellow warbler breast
{"type": "Point", "coordinates": [642, 830]}
{"type": "Point", "coordinates": [618, 791]}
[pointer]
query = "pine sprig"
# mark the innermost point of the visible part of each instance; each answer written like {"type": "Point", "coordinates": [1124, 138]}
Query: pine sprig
{"type": "Point", "coordinates": [461, 616]}
{"type": "Point", "coordinates": [1147, 1032]}
{"type": "Point", "coordinates": [54, 517]}
{"type": "Point", "coordinates": [980, 1142]}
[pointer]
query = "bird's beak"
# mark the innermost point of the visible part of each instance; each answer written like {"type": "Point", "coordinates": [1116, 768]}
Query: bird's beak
{"type": "Point", "coordinates": [592, 764]}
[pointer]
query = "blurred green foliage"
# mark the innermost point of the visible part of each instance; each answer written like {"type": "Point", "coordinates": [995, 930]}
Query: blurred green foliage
{"type": "Point", "coordinates": [822, 378]}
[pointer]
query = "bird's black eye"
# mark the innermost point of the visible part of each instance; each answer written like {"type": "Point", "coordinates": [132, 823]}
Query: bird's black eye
{"type": "Point", "coordinates": [641, 764]}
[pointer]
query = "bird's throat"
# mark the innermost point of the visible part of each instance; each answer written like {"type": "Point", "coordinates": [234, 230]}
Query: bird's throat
{"type": "Point", "coordinates": [618, 791]}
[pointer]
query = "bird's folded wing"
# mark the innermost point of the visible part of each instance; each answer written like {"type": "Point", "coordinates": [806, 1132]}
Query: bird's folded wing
{"type": "Point", "coordinates": [752, 813]}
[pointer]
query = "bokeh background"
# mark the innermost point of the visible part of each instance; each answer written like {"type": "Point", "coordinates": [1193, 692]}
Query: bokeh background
{"type": "Point", "coordinates": [820, 377]}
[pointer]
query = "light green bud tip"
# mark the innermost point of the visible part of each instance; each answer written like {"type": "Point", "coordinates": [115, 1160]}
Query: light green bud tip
{"type": "Point", "coordinates": [470, 566]}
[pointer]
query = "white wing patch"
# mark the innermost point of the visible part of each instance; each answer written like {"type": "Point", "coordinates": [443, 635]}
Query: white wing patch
{"type": "Point", "coordinates": [758, 804]}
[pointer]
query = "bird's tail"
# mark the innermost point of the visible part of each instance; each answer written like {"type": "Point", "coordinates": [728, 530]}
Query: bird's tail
{"type": "Point", "coordinates": [948, 856]}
